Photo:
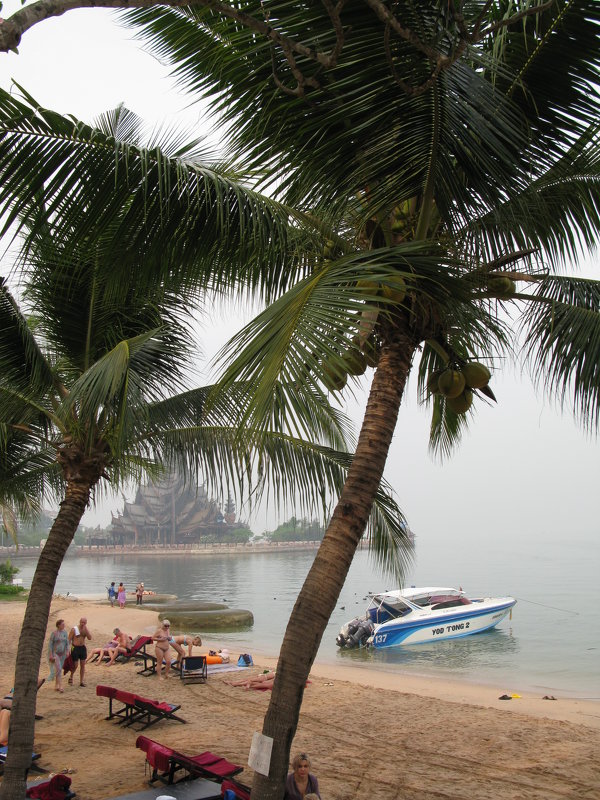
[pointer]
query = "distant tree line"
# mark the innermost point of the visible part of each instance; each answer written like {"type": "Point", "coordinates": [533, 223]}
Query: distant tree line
{"type": "Point", "coordinates": [30, 534]}
{"type": "Point", "coordinates": [296, 530]}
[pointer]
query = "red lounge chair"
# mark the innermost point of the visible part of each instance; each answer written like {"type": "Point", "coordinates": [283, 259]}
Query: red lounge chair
{"type": "Point", "coordinates": [137, 649]}
{"type": "Point", "coordinates": [166, 762]}
{"type": "Point", "coordinates": [148, 712]}
{"type": "Point", "coordinates": [136, 709]}
{"type": "Point", "coordinates": [240, 791]}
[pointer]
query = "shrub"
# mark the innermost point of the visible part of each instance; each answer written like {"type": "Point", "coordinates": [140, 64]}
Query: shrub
{"type": "Point", "coordinates": [7, 572]}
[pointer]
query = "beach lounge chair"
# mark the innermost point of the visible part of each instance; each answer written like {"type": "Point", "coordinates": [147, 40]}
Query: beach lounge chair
{"type": "Point", "coordinates": [136, 709]}
{"type": "Point", "coordinates": [240, 792]}
{"type": "Point", "coordinates": [148, 712]}
{"type": "Point", "coordinates": [137, 649]}
{"type": "Point", "coordinates": [197, 789]}
{"type": "Point", "coordinates": [165, 763]}
{"type": "Point", "coordinates": [33, 765]}
{"type": "Point", "coordinates": [126, 711]}
{"type": "Point", "coordinates": [193, 669]}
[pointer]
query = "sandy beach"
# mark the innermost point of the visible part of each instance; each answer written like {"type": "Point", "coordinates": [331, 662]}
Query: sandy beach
{"type": "Point", "coordinates": [377, 736]}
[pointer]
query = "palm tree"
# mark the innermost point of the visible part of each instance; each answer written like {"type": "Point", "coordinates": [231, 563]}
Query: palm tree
{"type": "Point", "coordinates": [449, 152]}
{"type": "Point", "coordinates": [93, 376]}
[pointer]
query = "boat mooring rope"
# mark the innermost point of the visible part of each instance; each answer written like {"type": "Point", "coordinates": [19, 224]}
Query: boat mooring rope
{"type": "Point", "coordinates": [543, 605]}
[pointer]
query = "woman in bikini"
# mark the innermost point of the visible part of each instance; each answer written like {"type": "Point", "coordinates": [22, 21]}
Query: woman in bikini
{"type": "Point", "coordinates": [179, 642]}
{"type": "Point", "coordinates": [161, 638]}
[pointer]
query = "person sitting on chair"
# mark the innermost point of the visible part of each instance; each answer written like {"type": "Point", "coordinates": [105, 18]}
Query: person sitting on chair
{"type": "Point", "coordinates": [106, 651]}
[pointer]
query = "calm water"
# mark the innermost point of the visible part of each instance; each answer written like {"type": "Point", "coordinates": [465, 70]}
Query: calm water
{"type": "Point", "coordinates": [551, 643]}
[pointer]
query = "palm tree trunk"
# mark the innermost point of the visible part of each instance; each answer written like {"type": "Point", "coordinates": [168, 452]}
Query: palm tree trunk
{"type": "Point", "coordinates": [325, 580]}
{"type": "Point", "coordinates": [31, 640]}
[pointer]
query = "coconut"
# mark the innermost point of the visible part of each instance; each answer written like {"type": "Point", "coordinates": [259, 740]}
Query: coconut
{"type": "Point", "coordinates": [462, 403]}
{"type": "Point", "coordinates": [396, 290]}
{"type": "Point", "coordinates": [451, 383]}
{"type": "Point", "coordinates": [333, 378]}
{"type": "Point", "coordinates": [356, 361]}
{"type": "Point", "coordinates": [433, 381]}
{"type": "Point", "coordinates": [501, 286]}
{"type": "Point", "coordinates": [476, 375]}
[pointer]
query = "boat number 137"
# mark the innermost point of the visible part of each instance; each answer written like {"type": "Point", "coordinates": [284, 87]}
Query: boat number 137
{"type": "Point", "coordinates": [380, 638]}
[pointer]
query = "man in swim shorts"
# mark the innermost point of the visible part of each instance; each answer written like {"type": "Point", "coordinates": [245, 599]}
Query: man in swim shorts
{"type": "Point", "coordinates": [77, 636]}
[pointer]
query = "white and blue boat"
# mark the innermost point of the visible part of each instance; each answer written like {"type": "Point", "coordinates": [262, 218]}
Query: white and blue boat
{"type": "Point", "coordinates": [420, 615]}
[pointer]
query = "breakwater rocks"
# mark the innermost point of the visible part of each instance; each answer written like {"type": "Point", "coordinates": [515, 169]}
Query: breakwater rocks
{"type": "Point", "coordinates": [198, 549]}
{"type": "Point", "coordinates": [202, 616]}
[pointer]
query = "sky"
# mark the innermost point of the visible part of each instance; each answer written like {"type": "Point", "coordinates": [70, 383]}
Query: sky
{"type": "Point", "coordinates": [524, 468]}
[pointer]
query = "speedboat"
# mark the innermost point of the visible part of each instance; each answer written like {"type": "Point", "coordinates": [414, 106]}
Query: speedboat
{"type": "Point", "coordinates": [417, 615]}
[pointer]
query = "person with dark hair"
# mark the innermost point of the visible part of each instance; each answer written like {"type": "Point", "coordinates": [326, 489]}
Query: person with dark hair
{"type": "Point", "coordinates": [112, 593]}
{"type": "Point", "coordinates": [301, 782]}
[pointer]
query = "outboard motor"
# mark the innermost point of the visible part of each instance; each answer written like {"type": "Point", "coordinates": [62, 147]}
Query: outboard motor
{"type": "Point", "coordinates": [345, 637]}
{"type": "Point", "coordinates": [362, 632]}
{"type": "Point", "coordinates": [354, 633]}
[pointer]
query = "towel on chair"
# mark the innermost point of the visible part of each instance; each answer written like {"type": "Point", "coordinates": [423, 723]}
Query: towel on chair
{"type": "Point", "coordinates": [57, 788]}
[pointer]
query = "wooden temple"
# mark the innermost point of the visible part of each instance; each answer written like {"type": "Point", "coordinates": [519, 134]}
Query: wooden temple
{"type": "Point", "coordinates": [170, 512]}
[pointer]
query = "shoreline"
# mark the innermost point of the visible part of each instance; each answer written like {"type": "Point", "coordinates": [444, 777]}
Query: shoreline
{"type": "Point", "coordinates": [369, 737]}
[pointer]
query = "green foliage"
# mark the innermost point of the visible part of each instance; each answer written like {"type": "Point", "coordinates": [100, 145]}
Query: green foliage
{"type": "Point", "coordinates": [9, 591]}
{"type": "Point", "coordinates": [7, 572]}
{"type": "Point", "coordinates": [298, 530]}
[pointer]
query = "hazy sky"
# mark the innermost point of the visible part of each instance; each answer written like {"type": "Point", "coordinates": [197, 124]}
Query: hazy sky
{"type": "Point", "coordinates": [523, 469]}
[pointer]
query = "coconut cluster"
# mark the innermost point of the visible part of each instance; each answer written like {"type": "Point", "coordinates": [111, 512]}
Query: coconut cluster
{"type": "Point", "coordinates": [456, 384]}
{"type": "Point", "coordinates": [354, 362]}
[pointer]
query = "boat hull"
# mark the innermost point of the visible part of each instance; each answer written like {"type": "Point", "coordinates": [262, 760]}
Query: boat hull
{"type": "Point", "coordinates": [450, 623]}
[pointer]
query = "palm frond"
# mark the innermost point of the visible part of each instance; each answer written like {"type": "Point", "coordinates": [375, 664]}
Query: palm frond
{"type": "Point", "coordinates": [307, 334]}
{"type": "Point", "coordinates": [562, 343]}
{"type": "Point", "coordinates": [20, 356]}
{"type": "Point", "coordinates": [85, 181]}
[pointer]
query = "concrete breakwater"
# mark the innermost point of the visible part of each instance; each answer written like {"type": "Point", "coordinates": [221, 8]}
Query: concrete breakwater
{"type": "Point", "coordinates": [204, 549]}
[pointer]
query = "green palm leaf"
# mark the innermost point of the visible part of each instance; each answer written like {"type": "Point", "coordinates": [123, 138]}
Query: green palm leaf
{"type": "Point", "coordinates": [562, 342]}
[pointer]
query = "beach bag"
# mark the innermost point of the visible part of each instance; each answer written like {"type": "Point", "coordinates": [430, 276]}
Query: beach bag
{"type": "Point", "coordinates": [245, 660]}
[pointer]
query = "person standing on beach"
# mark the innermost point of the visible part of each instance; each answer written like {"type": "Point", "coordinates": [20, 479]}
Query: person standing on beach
{"type": "Point", "coordinates": [58, 650]}
{"type": "Point", "coordinates": [139, 594]}
{"type": "Point", "coordinates": [121, 595]}
{"type": "Point", "coordinates": [112, 593]}
{"type": "Point", "coordinates": [161, 638]}
{"type": "Point", "coordinates": [77, 636]}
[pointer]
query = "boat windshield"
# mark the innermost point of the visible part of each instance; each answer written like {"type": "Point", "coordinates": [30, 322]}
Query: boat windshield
{"type": "Point", "coordinates": [382, 609]}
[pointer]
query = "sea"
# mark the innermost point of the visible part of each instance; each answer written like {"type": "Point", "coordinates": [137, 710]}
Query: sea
{"type": "Point", "coordinates": [550, 645]}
